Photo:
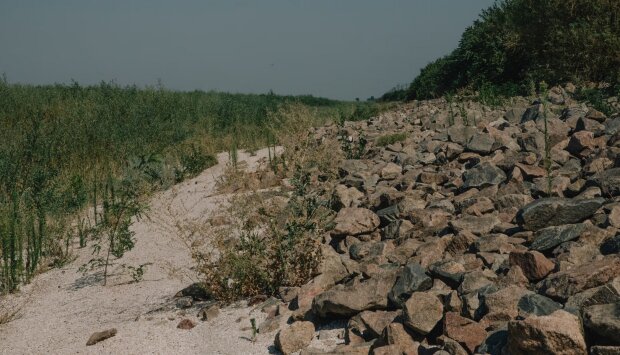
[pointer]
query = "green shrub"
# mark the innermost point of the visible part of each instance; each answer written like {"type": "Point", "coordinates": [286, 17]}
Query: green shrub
{"type": "Point", "coordinates": [391, 139]}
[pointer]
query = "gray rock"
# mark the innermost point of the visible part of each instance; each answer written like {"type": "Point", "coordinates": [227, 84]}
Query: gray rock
{"type": "Point", "coordinates": [555, 211]}
{"type": "Point", "coordinates": [531, 114]}
{"type": "Point", "coordinates": [355, 297]}
{"type": "Point", "coordinates": [551, 237]}
{"type": "Point", "coordinates": [609, 182]}
{"type": "Point", "coordinates": [494, 343]}
{"type": "Point", "coordinates": [481, 143]}
{"type": "Point", "coordinates": [412, 278]}
{"type": "Point", "coordinates": [538, 305]}
{"type": "Point", "coordinates": [609, 293]}
{"type": "Point", "coordinates": [603, 323]}
{"type": "Point", "coordinates": [483, 175]}
{"type": "Point", "coordinates": [611, 246]}
{"type": "Point", "coordinates": [461, 134]}
{"type": "Point", "coordinates": [101, 336]}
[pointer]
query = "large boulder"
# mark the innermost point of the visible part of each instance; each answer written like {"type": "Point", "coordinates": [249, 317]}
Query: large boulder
{"type": "Point", "coordinates": [483, 175]}
{"type": "Point", "coordinates": [555, 211]}
{"type": "Point", "coordinates": [557, 333]}
{"type": "Point", "coordinates": [355, 221]}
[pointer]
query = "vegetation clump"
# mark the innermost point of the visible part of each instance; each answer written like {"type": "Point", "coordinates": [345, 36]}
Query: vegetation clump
{"type": "Point", "coordinates": [518, 43]}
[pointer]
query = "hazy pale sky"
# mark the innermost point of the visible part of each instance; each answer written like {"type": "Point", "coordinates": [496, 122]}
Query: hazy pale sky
{"type": "Point", "coordinates": [334, 48]}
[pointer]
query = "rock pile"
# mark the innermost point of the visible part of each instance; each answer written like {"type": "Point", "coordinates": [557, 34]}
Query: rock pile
{"type": "Point", "coordinates": [494, 232]}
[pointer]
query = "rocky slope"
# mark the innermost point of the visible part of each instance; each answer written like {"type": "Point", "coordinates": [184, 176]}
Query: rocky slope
{"type": "Point", "coordinates": [491, 231]}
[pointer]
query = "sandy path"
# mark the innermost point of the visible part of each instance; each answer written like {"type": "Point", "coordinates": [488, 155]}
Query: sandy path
{"type": "Point", "coordinates": [62, 308]}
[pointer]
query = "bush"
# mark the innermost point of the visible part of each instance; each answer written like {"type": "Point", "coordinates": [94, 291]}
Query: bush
{"type": "Point", "coordinates": [391, 139]}
{"type": "Point", "coordinates": [517, 42]}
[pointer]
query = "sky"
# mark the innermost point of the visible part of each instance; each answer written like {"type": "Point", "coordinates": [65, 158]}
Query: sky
{"type": "Point", "coordinates": [341, 49]}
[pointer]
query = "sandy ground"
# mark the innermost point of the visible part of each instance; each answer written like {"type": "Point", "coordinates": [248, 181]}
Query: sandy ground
{"type": "Point", "coordinates": [63, 307]}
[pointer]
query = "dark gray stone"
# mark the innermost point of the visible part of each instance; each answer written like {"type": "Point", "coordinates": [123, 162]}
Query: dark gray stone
{"type": "Point", "coordinates": [494, 343]}
{"type": "Point", "coordinates": [483, 175]}
{"type": "Point", "coordinates": [531, 114]}
{"type": "Point", "coordinates": [551, 237]}
{"type": "Point", "coordinates": [538, 305]}
{"type": "Point", "coordinates": [412, 278]}
{"type": "Point", "coordinates": [611, 246]}
{"type": "Point", "coordinates": [556, 211]}
{"type": "Point", "coordinates": [602, 323]}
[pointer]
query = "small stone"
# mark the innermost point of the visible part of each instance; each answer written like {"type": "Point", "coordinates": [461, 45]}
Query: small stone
{"type": "Point", "coordinates": [209, 313]}
{"type": "Point", "coordinates": [295, 337]}
{"type": "Point", "coordinates": [186, 324]}
{"type": "Point", "coordinates": [101, 336]}
{"type": "Point", "coordinates": [185, 302]}
{"type": "Point", "coordinates": [391, 171]}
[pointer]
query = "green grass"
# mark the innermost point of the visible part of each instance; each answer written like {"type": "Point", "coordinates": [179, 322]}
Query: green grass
{"type": "Point", "coordinates": [59, 144]}
{"type": "Point", "coordinates": [391, 139]}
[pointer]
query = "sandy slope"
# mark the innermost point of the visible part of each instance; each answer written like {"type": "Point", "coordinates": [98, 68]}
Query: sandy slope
{"type": "Point", "coordinates": [62, 307]}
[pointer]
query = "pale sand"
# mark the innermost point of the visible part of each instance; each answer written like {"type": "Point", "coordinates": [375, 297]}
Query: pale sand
{"type": "Point", "coordinates": [61, 308]}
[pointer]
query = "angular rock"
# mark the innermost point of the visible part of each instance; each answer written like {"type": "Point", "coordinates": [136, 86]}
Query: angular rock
{"type": "Point", "coordinates": [551, 237]}
{"type": "Point", "coordinates": [608, 293]}
{"type": "Point", "coordinates": [534, 265]}
{"type": "Point", "coordinates": [422, 312]}
{"type": "Point", "coordinates": [294, 337]}
{"type": "Point", "coordinates": [481, 143]}
{"type": "Point", "coordinates": [609, 182]}
{"type": "Point", "coordinates": [351, 299]}
{"type": "Point", "coordinates": [465, 331]}
{"type": "Point", "coordinates": [412, 278]}
{"type": "Point", "coordinates": [605, 350]}
{"type": "Point", "coordinates": [396, 334]}
{"type": "Point", "coordinates": [555, 211]}
{"type": "Point", "coordinates": [602, 322]}
{"type": "Point", "coordinates": [533, 304]}
{"type": "Point", "coordinates": [377, 321]}
{"type": "Point", "coordinates": [476, 225]}
{"type": "Point", "coordinates": [494, 343]}
{"type": "Point", "coordinates": [483, 175]}
{"type": "Point", "coordinates": [557, 333]}
{"type": "Point", "coordinates": [562, 285]}
{"type": "Point", "coordinates": [355, 221]}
